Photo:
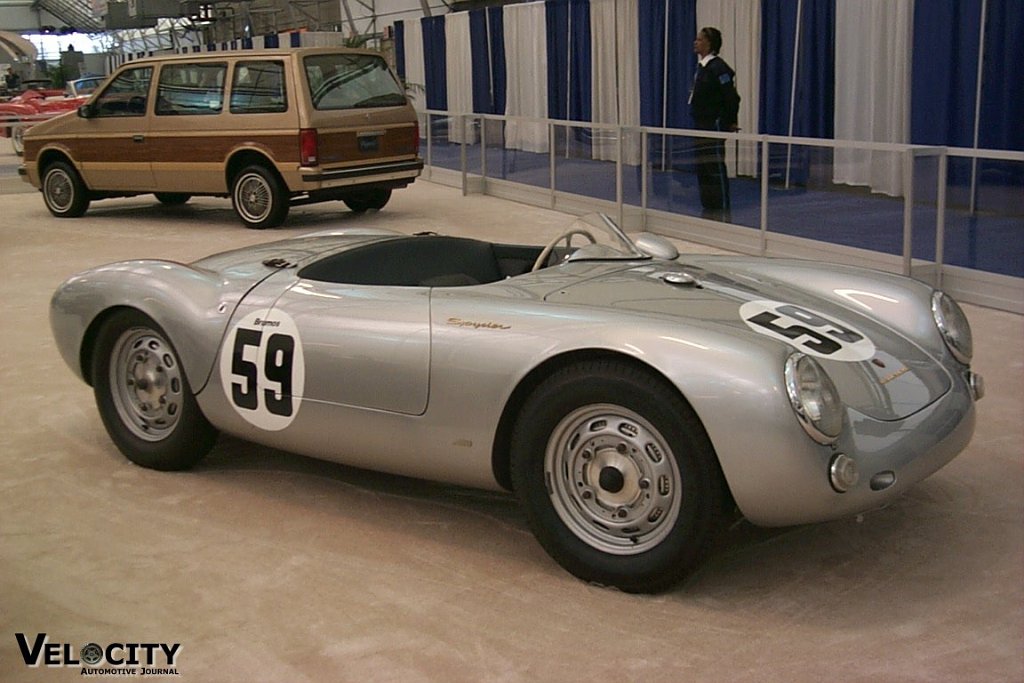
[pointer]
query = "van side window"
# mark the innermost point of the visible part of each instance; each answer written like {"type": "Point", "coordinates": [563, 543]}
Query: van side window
{"type": "Point", "coordinates": [126, 95]}
{"type": "Point", "coordinates": [347, 81]}
{"type": "Point", "coordinates": [258, 88]}
{"type": "Point", "coordinates": [191, 89]}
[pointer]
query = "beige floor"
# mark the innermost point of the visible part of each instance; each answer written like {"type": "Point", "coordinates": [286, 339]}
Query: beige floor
{"type": "Point", "coordinates": [266, 566]}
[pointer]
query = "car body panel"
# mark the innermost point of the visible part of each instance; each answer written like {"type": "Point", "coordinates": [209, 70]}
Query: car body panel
{"type": "Point", "coordinates": [419, 380]}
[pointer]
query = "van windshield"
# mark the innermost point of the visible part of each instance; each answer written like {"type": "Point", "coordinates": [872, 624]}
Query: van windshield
{"type": "Point", "coordinates": [351, 81]}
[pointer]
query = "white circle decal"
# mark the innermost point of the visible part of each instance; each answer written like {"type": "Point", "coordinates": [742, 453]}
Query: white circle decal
{"type": "Point", "coordinates": [262, 369]}
{"type": "Point", "coordinates": [809, 331]}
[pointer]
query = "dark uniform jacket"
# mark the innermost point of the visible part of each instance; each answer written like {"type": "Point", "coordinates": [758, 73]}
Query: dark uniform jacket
{"type": "Point", "coordinates": [715, 102]}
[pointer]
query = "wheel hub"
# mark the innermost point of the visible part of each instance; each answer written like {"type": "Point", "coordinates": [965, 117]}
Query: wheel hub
{"type": "Point", "coordinates": [146, 384]}
{"type": "Point", "coordinates": [617, 478]}
{"type": "Point", "coordinates": [602, 464]}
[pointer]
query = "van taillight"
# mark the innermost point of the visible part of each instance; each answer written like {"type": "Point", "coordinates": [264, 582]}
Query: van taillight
{"type": "Point", "coordinates": [308, 147]}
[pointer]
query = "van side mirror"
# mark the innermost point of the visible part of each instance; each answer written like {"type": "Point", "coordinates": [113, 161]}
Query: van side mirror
{"type": "Point", "coordinates": [86, 111]}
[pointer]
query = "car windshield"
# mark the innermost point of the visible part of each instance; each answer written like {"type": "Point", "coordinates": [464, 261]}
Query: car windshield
{"type": "Point", "coordinates": [597, 238]}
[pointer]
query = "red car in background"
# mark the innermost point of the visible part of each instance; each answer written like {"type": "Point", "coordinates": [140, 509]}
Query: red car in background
{"type": "Point", "coordinates": [36, 104]}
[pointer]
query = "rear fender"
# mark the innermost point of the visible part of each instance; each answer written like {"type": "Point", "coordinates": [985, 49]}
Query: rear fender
{"type": "Point", "coordinates": [192, 307]}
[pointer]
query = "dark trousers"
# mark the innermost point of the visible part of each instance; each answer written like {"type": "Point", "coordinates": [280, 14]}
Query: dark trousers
{"type": "Point", "coordinates": [712, 177]}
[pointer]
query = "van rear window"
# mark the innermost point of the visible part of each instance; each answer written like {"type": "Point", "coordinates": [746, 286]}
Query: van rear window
{"type": "Point", "coordinates": [344, 81]}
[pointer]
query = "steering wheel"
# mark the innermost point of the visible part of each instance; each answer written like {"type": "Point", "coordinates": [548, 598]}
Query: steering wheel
{"type": "Point", "coordinates": [567, 236]}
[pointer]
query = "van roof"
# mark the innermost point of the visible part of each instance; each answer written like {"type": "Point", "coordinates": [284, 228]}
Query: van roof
{"type": "Point", "coordinates": [266, 53]}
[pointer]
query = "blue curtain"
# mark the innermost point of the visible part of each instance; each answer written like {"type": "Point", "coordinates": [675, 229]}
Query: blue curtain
{"type": "Point", "coordinates": [1002, 95]}
{"type": "Point", "coordinates": [680, 62]}
{"type": "Point", "coordinates": [496, 21]}
{"type": "Point", "coordinates": [945, 69]}
{"type": "Point", "coordinates": [569, 64]}
{"type": "Point", "coordinates": [814, 111]}
{"type": "Point", "coordinates": [487, 43]}
{"type": "Point", "coordinates": [435, 62]}
{"type": "Point", "coordinates": [399, 49]}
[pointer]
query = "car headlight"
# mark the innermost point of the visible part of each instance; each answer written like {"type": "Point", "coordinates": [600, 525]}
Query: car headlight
{"type": "Point", "coordinates": [953, 325]}
{"type": "Point", "coordinates": [814, 398]}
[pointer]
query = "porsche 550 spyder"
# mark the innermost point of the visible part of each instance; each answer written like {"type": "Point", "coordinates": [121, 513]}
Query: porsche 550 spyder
{"type": "Point", "coordinates": [630, 397]}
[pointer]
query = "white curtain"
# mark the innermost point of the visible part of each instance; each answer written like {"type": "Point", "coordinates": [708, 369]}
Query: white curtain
{"type": "Point", "coordinates": [740, 24]}
{"type": "Point", "coordinates": [526, 73]}
{"type": "Point", "coordinates": [615, 60]}
{"type": "Point", "coordinates": [415, 72]}
{"type": "Point", "coordinates": [873, 42]}
{"type": "Point", "coordinates": [459, 72]}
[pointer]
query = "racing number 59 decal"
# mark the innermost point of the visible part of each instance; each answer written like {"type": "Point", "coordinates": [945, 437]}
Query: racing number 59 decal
{"type": "Point", "coordinates": [807, 330]}
{"type": "Point", "coordinates": [262, 369]}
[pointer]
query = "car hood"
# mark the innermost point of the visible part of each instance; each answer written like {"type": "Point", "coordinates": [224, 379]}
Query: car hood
{"type": "Point", "coordinates": [877, 369]}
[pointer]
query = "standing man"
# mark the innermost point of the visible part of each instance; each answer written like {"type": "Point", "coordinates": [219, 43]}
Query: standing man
{"type": "Point", "coordinates": [72, 62]}
{"type": "Point", "coordinates": [714, 104]}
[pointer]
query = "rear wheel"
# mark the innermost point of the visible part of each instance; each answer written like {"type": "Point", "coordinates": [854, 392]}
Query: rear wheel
{"type": "Point", "coordinates": [144, 397]}
{"type": "Point", "coordinates": [64, 192]}
{"type": "Point", "coordinates": [370, 199]}
{"type": "Point", "coordinates": [617, 476]}
{"type": "Point", "coordinates": [172, 198]}
{"type": "Point", "coordinates": [259, 198]}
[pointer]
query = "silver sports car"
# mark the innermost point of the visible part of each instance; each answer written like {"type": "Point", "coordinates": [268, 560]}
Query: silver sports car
{"type": "Point", "coordinates": [631, 397]}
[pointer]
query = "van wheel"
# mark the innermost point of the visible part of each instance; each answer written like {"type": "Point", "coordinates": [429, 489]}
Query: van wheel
{"type": "Point", "coordinates": [64, 193]}
{"type": "Point", "coordinates": [371, 199]}
{"type": "Point", "coordinates": [172, 198]}
{"type": "Point", "coordinates": [259, 198]}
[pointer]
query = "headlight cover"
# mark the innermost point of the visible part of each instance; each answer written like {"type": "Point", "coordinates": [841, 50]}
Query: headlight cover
{"type": "Point", "coordinates": [953, 326]}
{"type": "Point", "coordinates": [814, 398]}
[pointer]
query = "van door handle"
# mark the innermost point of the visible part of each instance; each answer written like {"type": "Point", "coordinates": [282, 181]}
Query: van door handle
{"type": "Point", "coordinates": [138, 138]}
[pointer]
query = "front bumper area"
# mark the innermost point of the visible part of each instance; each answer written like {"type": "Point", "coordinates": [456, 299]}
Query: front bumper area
{"type": "Point", "coordinates": [794, 484]}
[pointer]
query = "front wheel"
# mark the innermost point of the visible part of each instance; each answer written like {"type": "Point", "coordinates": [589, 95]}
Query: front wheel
{"type": "Point", "coordinates": [144, 397]}
{"type": "Point", "coordinates": [259, 198]}
{"type": "Point", "coordinates": [369, 199]}
{"type": "Point", "coordinates": [18, 139]}
{"type": "Point", "coordinates": [64, 192]}
{"type": "Point", "coordinates": [617, 476]}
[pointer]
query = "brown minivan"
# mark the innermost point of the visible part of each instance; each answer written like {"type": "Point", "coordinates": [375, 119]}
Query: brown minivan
{"type": "Point", "coordinates": [270, 129]}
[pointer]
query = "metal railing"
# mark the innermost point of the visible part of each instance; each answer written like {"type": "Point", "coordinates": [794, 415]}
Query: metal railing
{"type": "Point", "coordinates": [771, 222]}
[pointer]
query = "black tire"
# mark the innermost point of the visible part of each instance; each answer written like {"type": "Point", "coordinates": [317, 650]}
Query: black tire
{"type": "Point", "coordinates": [64, 193]}
{"type": "Point", "coordinates": [259, 198]}
{"type": "Point", "coordinates": [616, 475]}
{"type": "Point", "coordinates": [369, 199]}
{"type": "Point", "coordinates": [172, 198]}
{"type": "Point", "coordinates": [144, 397]}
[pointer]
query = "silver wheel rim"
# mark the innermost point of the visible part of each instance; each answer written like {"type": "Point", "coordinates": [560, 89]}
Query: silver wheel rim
{"type": "Point", "coordinates": [612, 479]}
{"type": "Point", "coordinates": [146, 384]}
{"type": "Point", "coordinates": [60, 191]}
{"type": "Point", "coordinates": [17, 140]}
{"type": "Point", "coordinates": [253, 197]}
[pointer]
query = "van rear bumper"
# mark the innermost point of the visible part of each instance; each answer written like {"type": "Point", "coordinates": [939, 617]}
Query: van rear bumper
{"type": "Point", "coordinates": [361, 175]}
